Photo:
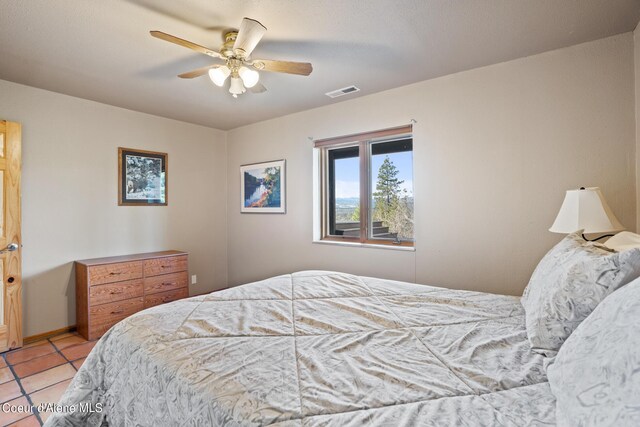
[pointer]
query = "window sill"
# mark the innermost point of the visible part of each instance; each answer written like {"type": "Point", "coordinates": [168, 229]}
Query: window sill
{"type": "Point", "coordinates": [366, 245]}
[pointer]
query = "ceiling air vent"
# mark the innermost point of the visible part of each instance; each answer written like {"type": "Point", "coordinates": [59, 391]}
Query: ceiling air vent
{"type": "Point", "coordinates": [343, 91]}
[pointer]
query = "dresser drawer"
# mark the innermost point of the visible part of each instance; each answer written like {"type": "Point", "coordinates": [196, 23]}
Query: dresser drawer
{"type": "Point", "coordinates": [105, 316]}
{"type": "Point", "coordinates": [108, 273]}
{"type": "Point", "coordinates": [162, 297]}
{"type": "Point", "coordinates": [112, 292]}
{"type": "Point", "coordinates": [154, 267]}
{"type": "Point", "coordinates": [166, 282]}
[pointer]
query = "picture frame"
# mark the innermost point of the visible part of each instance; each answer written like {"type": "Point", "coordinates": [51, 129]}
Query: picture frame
{"type": "Point", "coordinates": [142, 177]}
{"type": "Point", "coordinates": [263, 187]}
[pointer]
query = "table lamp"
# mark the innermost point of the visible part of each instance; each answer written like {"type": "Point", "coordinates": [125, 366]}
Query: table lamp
{"type": "Point", "coordinates": [586, 209]}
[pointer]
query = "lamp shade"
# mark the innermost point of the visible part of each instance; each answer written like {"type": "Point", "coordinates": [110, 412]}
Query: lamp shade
{"type": "Point", "coordinates": [236, 87]}
{"type": "Point", "coordinates": [219, 75]}
{"type": "Point", "coordinates": [585, 209]}
{"type": "Point", "coordinates": [249, 77]}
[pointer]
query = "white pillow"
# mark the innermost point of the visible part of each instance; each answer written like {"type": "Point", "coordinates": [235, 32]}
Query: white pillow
{"type": "Point", "coordinates": [596, 375]}
{"type": "Point", "coordinates": [623, 241]}
{"type": "Point", "coordinates": [568, 284]}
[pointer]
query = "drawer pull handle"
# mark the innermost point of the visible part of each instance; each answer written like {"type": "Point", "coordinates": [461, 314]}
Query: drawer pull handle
{"type": "Point", "coordinates": [115, 292]}
{"type": "Point", "coordinates": [168, 283]}
{"type": "Point", "coordinates": [117, 312]}
{"type": "Point", "coordinates": [165, 266]}
{"type": "Point", "coordinates": [114, 273]}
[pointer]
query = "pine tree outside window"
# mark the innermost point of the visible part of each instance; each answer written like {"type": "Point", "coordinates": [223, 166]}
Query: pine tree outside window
{"type": "Point", "coordinates": [367, 188]}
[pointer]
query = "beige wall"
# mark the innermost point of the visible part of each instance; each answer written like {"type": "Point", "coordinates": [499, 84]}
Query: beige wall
{"type": "Point", "coordinates": [495, 148]}
{"type": "Point", "coordinates": [69, 194]}
{"type": "Point", "coordinates": [636, 51]}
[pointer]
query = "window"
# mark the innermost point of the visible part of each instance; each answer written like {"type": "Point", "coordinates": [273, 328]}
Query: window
{"type": "Point", "coordinates": [367, 187]}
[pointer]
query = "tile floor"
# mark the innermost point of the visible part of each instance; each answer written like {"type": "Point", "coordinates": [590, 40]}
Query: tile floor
{"type": "Point", "coordinates": [39, 373]}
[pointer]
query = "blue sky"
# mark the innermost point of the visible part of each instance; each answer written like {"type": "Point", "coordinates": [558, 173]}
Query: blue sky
{"type": "Point", "coordinates": [259, 173]}
{"type": "Point", "coordinates": [347, 173]}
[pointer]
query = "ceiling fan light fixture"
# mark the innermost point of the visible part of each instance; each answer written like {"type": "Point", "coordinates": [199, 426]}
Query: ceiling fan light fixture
{"type": "Point", "coordinates": [249, 77]}
{"type": "Point", "coordinates": [236, 53]}
{"type": "Point", "coordinates": [236, 88]}
{"type": "Point", "coordinates": [219, 75]}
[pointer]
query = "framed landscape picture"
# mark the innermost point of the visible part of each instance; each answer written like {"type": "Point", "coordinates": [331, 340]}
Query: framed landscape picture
{"type": "Point", "coordinates": [262, 187]}
{"type": "Point", "coordinates": [142, 178]}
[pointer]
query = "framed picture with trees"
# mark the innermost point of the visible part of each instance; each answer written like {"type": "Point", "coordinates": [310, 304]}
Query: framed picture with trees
{"type": "Point", "coordinates": [142, 178]}
{"type": "Point", "coordinates": [262, 187]}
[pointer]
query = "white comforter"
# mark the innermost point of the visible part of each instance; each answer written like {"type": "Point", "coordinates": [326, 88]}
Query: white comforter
{"type": "Point", "coordinates": [317, 348]}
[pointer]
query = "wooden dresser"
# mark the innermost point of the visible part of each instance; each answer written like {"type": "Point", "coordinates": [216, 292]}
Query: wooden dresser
{"type": "Point", "coordinates": [110, 289]}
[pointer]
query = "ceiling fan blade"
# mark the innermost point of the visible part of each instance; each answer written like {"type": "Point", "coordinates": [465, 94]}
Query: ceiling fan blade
{"type": "Point", "coordinates": [301, 68]}
{"type": "Point", "coordinates": [185, 43]}
{"type": "Point", "coordinates": [258, 88]}
{"type": "Point", "coordinates": [249, 34]}
{"type": "Point", "coordinates": [197, 72]}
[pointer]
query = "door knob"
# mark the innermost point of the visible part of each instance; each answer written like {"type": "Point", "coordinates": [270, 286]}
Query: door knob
{"type": "Point", "coordinates": [10, 248]}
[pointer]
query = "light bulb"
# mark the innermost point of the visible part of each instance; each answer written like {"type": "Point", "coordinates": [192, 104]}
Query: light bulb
{"type": "Point", "coordinates": [249, 77]}
{"type": "Point", "coordinates": [219, 75]}
{"type": "Point", "coordinates": [236, 87]}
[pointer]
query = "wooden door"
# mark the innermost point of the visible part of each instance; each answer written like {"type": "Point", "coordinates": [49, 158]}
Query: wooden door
{"type": "Point", "coordinates": [10, 237]}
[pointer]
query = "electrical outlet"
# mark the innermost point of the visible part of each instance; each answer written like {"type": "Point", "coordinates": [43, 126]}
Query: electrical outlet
{"type": "Point", "coordinates": [194, 279]}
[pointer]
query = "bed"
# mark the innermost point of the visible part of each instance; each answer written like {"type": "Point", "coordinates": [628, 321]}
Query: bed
{"type": "Point", "coordinates": [316, 348]}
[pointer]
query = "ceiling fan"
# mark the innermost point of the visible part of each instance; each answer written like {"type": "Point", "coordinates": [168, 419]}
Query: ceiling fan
{"type": "Point", "coordinates": [235, 53]}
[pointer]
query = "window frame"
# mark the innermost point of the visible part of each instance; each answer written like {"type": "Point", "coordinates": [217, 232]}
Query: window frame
{"type": "Point", "coordinates": [363, 141]}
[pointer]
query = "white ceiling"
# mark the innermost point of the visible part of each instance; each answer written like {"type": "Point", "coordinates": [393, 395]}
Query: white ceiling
{"type": "Point", "coordinates": [101, 49]}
